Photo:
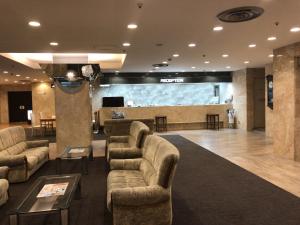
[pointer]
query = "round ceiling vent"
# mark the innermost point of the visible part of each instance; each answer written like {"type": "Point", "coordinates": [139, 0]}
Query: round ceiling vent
{"type": "Point", "coordinates": [240, 14]}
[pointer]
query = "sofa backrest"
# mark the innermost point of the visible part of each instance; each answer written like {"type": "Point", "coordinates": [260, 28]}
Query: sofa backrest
{"type": "Point", "coordinates": [137, 132]}
{"type": "Point", "coordinates": [12, 140]}
{"type": "Point", "coordinates": [159, 162]}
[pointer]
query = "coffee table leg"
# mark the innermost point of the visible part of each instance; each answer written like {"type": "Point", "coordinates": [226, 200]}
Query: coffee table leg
{"type": "Point", "coordinates": [64, 217]}
{"type": "Point", "coordinates": [78, 190]}
{"type": "Point", "coordinates": [58, 166]}
{"type": "Point", "coordinates": [13, 219]}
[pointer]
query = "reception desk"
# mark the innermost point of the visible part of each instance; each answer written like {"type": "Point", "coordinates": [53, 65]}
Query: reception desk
{"type": "Point", "coordinates": [179, 117]}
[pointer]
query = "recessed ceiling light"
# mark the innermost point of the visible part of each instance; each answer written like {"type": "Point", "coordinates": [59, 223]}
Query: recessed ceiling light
{"type": "Point", "coordinates": [225, 55]}
{"type": "Point", "coordinates": [271, 56]}
{"type": "Point", "coordinates": [27, 77]}
{"type": "Point", "coordinates": [272, 38]}
{"type": "Point", "coordinates": [18, 75]}
{"type": "Point", "coordinates": [252, 45]}
{"type": "Point", "coordinates": [218, 28]}
{"type": "Point", "coordinates": [35, 79]}
{"type": "Point", "coordinates": [193, 67]}
{"type": "Point", "coordinates": [246, 62]}
{"type": "Point", "coordinates": [5, 71]}
{"type": "Point", "coordinates": [117, 71]}
{"type": "Point", "coordinates": [42, 81]}
{"type": "Point", "coordinates": [53, 43]}
{"type": "Point", "coordinates": [156, 67]}
{"type": "Point", "coordinates": [228, 67]}
{"type": "Point", "coordinates": [6, 80]}
{"type": "Point", "coordinates": [192, 45]}
{"type": "Point", "coordinates": [213, 70]}
{"type": "Point", "coordinates": [279, 55]}
{"type": "Point", "coordinates": [44, 71]}
{"type": "Point", "coordinates": [165, 62]}
{"type": "Point", "coordinates": [15, 81]}
{"type": "Point", "coordinates": [132, 26]}
{"type": "Point", "coordinates": [34, 24]}
{"type": "Point", "coordinates": [182, 71]}
{"type": "Point", "coordinates": [126, 44]}
{"type": "Point", "coordinates": [176, 55]}
{"type": "Point", "coordinates": [207, 62]}
{"type": "Point", "coordinates": [295, 29]}
{"type": "Point", "coordinates": [150, 71]}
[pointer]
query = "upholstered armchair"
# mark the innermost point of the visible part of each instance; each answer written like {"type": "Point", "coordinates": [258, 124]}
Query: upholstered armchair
{"type": "Point", "coordinates": [139, 190]}
{"type": "Point", "coordinates": [3, 185]}
{"type": "Point", "coordinates": [129, 146]}
{"type": "Point", "coordinates": [21, 156]}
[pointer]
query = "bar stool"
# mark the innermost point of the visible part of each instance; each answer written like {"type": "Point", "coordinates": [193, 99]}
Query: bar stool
{"type": "Point", "coordinates": [161, 123]}
{"type": "Point", "coordinates": [213, 121]}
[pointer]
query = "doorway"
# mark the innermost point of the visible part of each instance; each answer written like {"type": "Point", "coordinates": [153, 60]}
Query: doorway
{"type": "Point", "coordinates": [259, 103]}
{"type": "Point", "coordinates": [18, 105]}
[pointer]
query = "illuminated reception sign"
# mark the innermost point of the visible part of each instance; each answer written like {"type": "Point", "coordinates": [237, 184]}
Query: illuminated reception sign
{"type": "Point", "coordinates": [172, 80]}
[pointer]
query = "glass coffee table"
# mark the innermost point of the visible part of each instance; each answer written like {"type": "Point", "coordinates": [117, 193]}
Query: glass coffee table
{"type": "Point", "coordinates": [82, 154]}
{"type": "Point", "coordinates": [49, 195]}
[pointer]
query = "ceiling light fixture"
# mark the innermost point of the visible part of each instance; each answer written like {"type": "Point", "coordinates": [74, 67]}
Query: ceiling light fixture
{"type": "Point", "coordinates": [53, 43]}
{"type": "Point", "coordinates": [15, 81]}
{"type": "Point", "coordinates": [271, 56]}
{"type": "Point", "coordinates": [165, 62]}
{"type": "Point", "coordinates": [295, 29]}
{"type": "Point", "coordinates": [18, 75]}
{"type": "Point", "coordinates": [6, 80]}
{"type": "Point", "coordinates": [175, 55]}
{"type": "Point", "coordinates": [213, 70]}
{"type": "Point", "coordinates": [5, 71]}
{"type": "Point", "coordinates": [132, 26]}
{"type": "Point", "coordinates": [27, 77]}
{"type": "Point", "coordinates": [218, 28]}
{"type": "Point", "coordinates": [225, 55]}
{"type": "Point", "coordinates": [272, 38]}
{"type": "Point", "coordinates": [228, 67]}
{"type": "Point", "coordinates": [34, 24]}
{"type": "Point", "coordinates": [126, 44]}
{"type": "Point", "coordinates": [246, 62]}
{"type": "Point", "coordinates": [150, 71]}
{"type": "Point", "coordinates": [193, 67]}
{"type": "Point", "coordinates": [207, 62]}
{"type": "Point", "coordinates": [35, 79]}
{"type": "Point", "coordinates": [252, 45]}
{"type": "Point", "coordinates": [192, 45]}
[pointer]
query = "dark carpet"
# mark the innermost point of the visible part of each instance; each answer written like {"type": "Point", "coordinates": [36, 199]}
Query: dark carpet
{"type": "Point", "coordinates": [207, 190]}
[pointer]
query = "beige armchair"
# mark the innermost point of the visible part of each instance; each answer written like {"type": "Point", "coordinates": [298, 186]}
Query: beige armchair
{"type": "Point", "coordinates": [139, 190]}
{"type": "Point", "coordinates": [21, 156]}
{"type": "Point", "coordinates": [3, 185]}
{"type": "Point", "coordinates": [129, 146]}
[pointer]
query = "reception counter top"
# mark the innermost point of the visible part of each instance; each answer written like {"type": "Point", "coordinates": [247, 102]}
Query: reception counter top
{"type": "Point", "coordinates": [179, 117]}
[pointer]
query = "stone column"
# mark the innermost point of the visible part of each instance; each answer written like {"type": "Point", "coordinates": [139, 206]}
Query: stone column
{"type": "Point", "coordinates": [73, 118]}
{"type": "Point", "coordinates": [286, 113]}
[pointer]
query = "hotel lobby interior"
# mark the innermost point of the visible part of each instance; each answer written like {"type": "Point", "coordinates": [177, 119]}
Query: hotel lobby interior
{"type": "Point", "coordinates": [138, 112]}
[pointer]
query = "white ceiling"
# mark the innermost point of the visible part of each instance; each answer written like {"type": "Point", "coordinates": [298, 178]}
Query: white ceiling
{"type": "Point", "coordinates": [101, 26]}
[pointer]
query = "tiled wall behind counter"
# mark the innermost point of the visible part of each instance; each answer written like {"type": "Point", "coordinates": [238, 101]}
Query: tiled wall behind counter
{"type": "Point", "coordinates": [163, 94]}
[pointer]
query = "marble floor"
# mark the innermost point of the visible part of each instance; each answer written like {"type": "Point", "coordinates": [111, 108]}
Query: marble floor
{"type": "Point", "coordinates": [252, 151]}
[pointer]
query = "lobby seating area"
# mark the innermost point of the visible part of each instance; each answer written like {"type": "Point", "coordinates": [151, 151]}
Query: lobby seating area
{"type": "Point", "coordinates": [121, 112]}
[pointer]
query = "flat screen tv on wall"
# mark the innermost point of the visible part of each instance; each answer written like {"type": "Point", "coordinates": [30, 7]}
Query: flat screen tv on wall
{"type": "Point", "coordinates": [113, 102]}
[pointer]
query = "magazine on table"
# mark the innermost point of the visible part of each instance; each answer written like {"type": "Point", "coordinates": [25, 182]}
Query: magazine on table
{"type": "Point", "coordinates": [77, 150]}
{"type": "Point", "coordinates": [53, 190]}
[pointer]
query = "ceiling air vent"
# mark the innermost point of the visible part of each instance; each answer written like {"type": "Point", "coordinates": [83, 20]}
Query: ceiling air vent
{"type": "Point", "coordinates": [240, 14]}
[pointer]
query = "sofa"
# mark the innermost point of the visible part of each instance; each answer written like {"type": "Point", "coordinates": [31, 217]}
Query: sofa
{"type": "Point", "coordinates": [3, 185]}
{"type": "Point", "coordinates": [139, 190]}
{"type": "Point", "coordinates": [128, 146]}
{"type": "Point", "coordinates": [21, 156]}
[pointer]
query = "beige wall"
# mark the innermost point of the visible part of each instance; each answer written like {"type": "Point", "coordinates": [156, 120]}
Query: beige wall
{"type": "Point", "coordinates": [43, 100]}
{"type": "Point", "coordinates": [4, 89]}
{"type": "Point", "coordinates": [73, 118]}
{"type": "Point", "coordinates": [269, 112]}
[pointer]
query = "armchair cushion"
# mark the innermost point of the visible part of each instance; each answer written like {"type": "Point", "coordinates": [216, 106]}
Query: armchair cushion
{"type": "Point", "coordinates": [119, 179]}
{"type": "Point", "coordinates": [124, 153]}
{"type": "Point", "coordinates": [12, 160]}
{"type": "Point", "coordinates": [17, 149]}
{"type": "Point", "coordinates": [125, 164]}
{"type": "Point", "coordinates": [41, 153]}
{"type": "Point", "coordinates": [39, 143]}
{"type": "Point", "coordinates": [118, 139]}
{"type": "Point", "coordinates": [3, 172]}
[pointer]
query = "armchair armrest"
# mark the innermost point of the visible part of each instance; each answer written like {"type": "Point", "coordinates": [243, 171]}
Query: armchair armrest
{"type": "Point", "coordinates": [39, 143]}
{"type": "Point", "coordinates": [140, 196]}
{"type": "Point", "coordinates": [3, 172]}
{"type": "Point", "coordinates": [118, 139]}
{"type": "Point", "coordinates": [13, 160]}
{"type": "Point", "coordinates": [125, 164]}
{"type": "Point", "coordinates": [124, 153]}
